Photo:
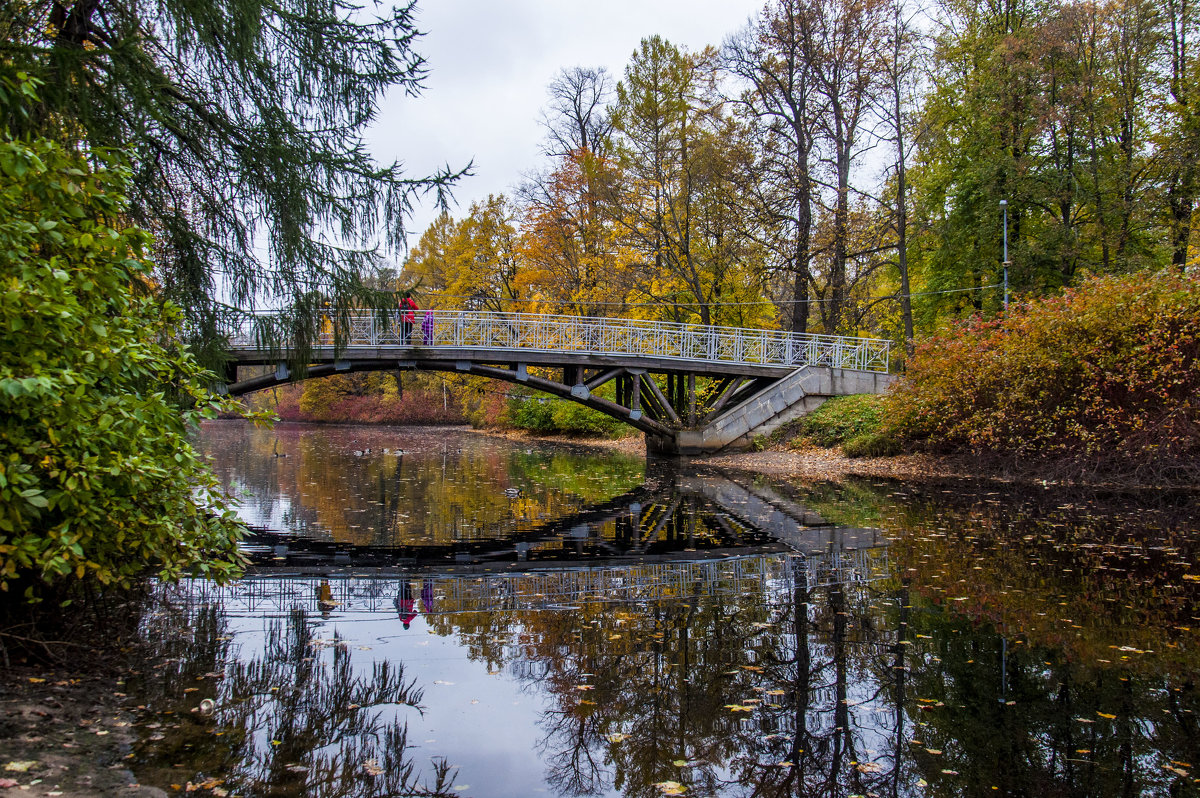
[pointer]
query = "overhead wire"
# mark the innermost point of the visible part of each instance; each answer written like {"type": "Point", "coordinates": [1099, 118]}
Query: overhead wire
{"type": "Point", "coordinates": [668, 302]}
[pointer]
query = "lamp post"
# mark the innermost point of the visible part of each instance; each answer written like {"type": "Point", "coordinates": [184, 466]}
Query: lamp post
{"type": "Point", "coordinates": [1004, 210]}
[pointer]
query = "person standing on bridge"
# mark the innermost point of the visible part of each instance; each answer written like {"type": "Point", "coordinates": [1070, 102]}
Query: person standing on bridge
{"type": "Point", "coordinates": [408, 307]}
{"type": "Point", "coordinates": [427, 328]}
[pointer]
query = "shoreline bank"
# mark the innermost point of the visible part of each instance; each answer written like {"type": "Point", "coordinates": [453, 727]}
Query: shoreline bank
{"type": "Point", "coordinates": [821, 463]}
{"type": "Point", "coordinates": [812, 463]}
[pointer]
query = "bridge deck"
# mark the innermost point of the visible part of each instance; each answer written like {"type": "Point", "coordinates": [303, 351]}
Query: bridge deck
{"type": "Point", "coordinates": [507, 337]}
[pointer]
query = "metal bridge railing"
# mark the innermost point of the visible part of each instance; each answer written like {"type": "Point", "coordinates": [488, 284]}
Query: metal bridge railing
{"type": "Point", "coordinates": [603, 336]}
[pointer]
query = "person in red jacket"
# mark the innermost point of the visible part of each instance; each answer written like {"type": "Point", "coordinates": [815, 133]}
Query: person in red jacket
{"type": "Point", "coordinates": [408, 315]}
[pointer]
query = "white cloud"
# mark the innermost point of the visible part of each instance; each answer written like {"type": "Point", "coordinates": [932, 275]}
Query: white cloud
{"type": "Point", "coordinates": [490, 63]}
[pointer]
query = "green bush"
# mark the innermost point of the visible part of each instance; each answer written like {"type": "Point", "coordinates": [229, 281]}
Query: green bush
{"type": "Point", "coordinates": [538, 414]}
{"type": "Point", "coordinates": [574, 418]}
{"type": "Point", "coordinates": [531, 413]}
{"type": "Point", "coordinates": [97, 478]}
{"type": "Point", "coordinates": [1103, 379]}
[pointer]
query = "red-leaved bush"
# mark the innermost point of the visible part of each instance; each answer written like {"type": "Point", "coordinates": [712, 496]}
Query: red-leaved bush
{"type": "Point", "coordinates": [1103, 380]}
{"type": "Point", "coordinates": [415, 406]}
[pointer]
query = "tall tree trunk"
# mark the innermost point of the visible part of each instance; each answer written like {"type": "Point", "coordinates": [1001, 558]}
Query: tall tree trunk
{"type": "Point", "coordinates": [1181, 191]}
{"type": "Point", "coordinates": [1181, 198]}
{"type": "Point", "coordinates": [841, 229]}
{"type": "Point", "coordinates": [802, 273]}
{"type": "Point", "coordinates": [899, 37]}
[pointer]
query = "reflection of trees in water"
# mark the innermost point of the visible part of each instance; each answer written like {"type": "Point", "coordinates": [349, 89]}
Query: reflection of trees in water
{"type": "Point", "coordinates": [851, 690]}
{"type": "Point", "coordinates": [822, 727]}
{"type": "Point", "coordinates": [644, 690]}
{"type": "Point", "coordinates": [451, 488]}
{"type": "Point", "coordinates": [1032, 721]}
{"type": "Point", "coordinates": [293, 719]}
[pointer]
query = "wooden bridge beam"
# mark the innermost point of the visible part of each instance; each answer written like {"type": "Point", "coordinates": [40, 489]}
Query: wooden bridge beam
{"type": "Point", "coordinates": [613, 409]}
{"type": "Point", "coordinates": [603, 377]}
{"type": "Point", "coordinates": [663, 403]}
{"type": "Point", "coordinates": [726, 387]}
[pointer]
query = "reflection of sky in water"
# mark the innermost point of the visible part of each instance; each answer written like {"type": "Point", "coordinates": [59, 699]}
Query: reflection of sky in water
{"type": "Point", "coordinates": [272, 513]}
{"type": "Point", "coordinates": [492, 725]}
{"type": "Point", "coordinates": [484, 724]}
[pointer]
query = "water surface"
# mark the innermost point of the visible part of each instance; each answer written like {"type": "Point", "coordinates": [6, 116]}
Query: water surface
{"type": "Point", "coordinates": [439, 612]}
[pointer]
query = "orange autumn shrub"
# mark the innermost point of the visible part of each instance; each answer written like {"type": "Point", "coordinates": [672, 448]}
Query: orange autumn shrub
{"type": "Point", "coordinates": [1102, 380]}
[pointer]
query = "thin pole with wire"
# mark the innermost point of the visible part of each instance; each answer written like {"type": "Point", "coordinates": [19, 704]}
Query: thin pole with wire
{"type": "Point", "coordinates": [1004, 209]}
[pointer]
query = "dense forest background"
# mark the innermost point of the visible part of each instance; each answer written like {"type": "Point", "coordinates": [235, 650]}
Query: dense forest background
{"type": "Point", "coordinates": [838, 166]}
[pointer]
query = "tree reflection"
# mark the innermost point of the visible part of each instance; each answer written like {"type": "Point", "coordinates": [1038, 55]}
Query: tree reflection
{"type": "Point", "coordinates": [295, 718]}
{"type": "Point", "coordinates": [388, 488]}
{"type": "Point", "coordinates": [1020, 645]}
{"type": "Point", "coordinates": [833, 688]}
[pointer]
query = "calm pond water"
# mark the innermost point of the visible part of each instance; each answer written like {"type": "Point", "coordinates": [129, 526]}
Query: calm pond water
{"type": "Point", "coordinates": [439, 612]}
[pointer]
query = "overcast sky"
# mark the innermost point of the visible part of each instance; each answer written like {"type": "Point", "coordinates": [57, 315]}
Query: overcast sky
{"type": "Point", "coordinates": [490, 62]}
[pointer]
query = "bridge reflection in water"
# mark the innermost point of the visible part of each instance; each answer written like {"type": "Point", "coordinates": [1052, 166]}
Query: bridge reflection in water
{"type": "Point", "coordinates": [545, 589]}
{"type": "Point", "coordinates": [702, 535]}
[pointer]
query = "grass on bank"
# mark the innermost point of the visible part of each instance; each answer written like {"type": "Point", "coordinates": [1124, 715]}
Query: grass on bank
{"type": "Point", "coordinates": [856, 423]}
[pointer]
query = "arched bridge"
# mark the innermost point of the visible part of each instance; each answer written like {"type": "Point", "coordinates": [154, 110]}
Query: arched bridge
{"type": "Point", "coordinates": [751, 381]}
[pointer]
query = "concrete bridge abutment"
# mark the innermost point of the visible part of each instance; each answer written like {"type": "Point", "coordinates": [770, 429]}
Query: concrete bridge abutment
{"type": "Point", "coordinates": [787, 399]}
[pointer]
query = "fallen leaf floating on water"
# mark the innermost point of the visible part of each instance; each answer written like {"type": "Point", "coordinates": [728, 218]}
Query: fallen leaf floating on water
{"type": "Point", "coordinates": [671, 788]}
{"type": "Point", "coordinates": [1106, 715]}
{"type": "Point", "coordinates": [738, 708]}
{"type": "Point", "coordinates": [209, 784]}
{"type": "Point", "coordinates": [20, 766]}
{"type": "Point", "coordinates": [617, 737]}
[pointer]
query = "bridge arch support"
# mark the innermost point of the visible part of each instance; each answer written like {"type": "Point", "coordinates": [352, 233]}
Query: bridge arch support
{"type": "Point", "coordinates": [663, 405]}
